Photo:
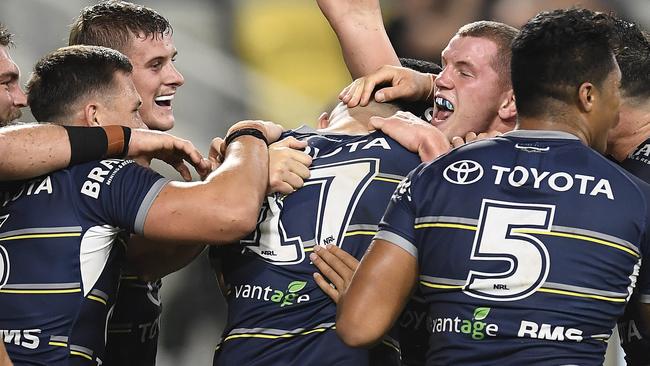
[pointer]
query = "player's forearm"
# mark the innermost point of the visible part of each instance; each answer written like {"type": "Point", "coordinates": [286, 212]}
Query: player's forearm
{"type": "Point", "coordinates": [151, 260]}
{"type": "Point", "coordinates": [364, 313]}
{"type": "Point", "coordinates": [28, 151]}
{"type": "Point", "coordinates": [364, 42]}
{"type": "Point", "coordinates": [4, 357]}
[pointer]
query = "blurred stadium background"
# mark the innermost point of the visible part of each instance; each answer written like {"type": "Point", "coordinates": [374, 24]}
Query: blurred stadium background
{"type": "Point", "coordinates": [264, 59]}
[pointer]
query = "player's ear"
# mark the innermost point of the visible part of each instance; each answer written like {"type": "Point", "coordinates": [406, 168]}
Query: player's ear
{"type": "Point", "coordinates": [91, 115]}
{"type": "Point", "coordinates": [323, 120]}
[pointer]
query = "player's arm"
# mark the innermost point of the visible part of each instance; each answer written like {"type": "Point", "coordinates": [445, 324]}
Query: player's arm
{"type": "Point", "coordinates": [4, 357]}
{"type": "Point", "coordinates": [31, 150]}
{"type": "Point", "coordinates": [226, 205]}
{"type": "Point", "coordinates": [379, 289]}
{"type": "Point", "coordinates": [151, 260]}
{"type": "Point", "coordinates": [359, 26]}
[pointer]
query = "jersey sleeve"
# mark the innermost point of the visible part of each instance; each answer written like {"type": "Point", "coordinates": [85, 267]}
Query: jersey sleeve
{"type": "Point", "coordinates": [119, 193]}
{"type": "Point", "coordinates": [397, 226]}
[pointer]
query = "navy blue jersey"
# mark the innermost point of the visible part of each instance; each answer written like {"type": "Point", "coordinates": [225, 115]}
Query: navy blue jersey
{"type": "Point", "coordinates": [630, 331]}
{"type": "Point", "coordinates": [528, 248]}
{"type": "Point", "coordinates": [277, 314]}
{"type": "Point", "coordinates": [60, 263]}
{"type": "Point", "coordinates": [134, 326]}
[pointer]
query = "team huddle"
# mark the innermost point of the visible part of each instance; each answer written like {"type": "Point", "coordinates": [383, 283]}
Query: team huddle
{"type": "Point", "coordinates": [494, 210]}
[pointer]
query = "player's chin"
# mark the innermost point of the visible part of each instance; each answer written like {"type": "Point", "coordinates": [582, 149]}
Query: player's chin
{"type": "Point", "coordinates": [161, 123]}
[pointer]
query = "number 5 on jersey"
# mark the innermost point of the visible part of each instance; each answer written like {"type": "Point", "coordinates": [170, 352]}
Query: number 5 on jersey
{"type": "Point", "coordinates": [503, 235]}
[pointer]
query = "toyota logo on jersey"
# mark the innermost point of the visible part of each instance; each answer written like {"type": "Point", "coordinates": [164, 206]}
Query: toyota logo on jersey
{"type": "Point", "coordinates": [463, 172]}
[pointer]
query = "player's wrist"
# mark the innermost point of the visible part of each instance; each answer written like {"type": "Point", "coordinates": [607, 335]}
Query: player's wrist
{"type": "Point", "coordinates": [248, 131]}
{"type": "Point", "coordinates": [93, 143]}
{"type": "Point", "coordinates": [247, 127]}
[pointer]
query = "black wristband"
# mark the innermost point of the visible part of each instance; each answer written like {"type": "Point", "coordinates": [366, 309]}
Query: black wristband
{"type": "Point", "coordinates": [245, 132]}
{"type": "Point", "coordinates": [86, 143]}
{"type": "Point", "coordinates": [127, 140]}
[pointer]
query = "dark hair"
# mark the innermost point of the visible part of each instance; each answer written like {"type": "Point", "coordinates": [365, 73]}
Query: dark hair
{"type": "Point", "coordinates": [502, 35]}
{"type": "Point", "coordinates": [6, 38]}
{"type": "Point", "coordinates": [557, 51]}
{"type": "Point", "coordinates": [114, 24]}
{"type": "Point", "coordinates": [63, 77]}
{"type": "Point", "coordinates": [632, 51]}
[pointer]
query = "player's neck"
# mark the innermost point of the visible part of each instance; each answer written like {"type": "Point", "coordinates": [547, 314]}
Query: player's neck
{"type": "Point", "coordinates": [547, 123]}
{"type": "Point", "coordinates": [633, 128]}
{"type": "Point", "coordinates": [347, 125]}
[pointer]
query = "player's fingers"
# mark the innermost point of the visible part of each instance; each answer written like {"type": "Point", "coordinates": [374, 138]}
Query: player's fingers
{"type": "Point", "coordinates": [189, 152]}
{"type": "Point", "coordinates": [391, 93]}
{"type": "Point", "coordinates": [182, 169]}
{"type": "Point", "coordinates": [326, 270]}
{"type": "Point", "coordinates": [294, 180]}
{"type": "Point", "coordinates": [293, 143]}
{"type": "Point", "coordinates": [327, 288]}
{"type": "Point", "coordinates": [470, 136]}
{"type": "Point", "coordinates": [299, 168]}
{"type": "Point", "coordinates": [279, 186]}
{"type": "Point", "coordinates": [351, 90]}
{"type": "Point", "coordinates": [345, 91]}
{"type": "Point", "coordinates": [457, 141]}
{"type": "Point", "coordinates": [336, 264]}
{"type": "Point", "coordinates": [356, 95]}
{"type": "Point", "coordinates": [350, 261]}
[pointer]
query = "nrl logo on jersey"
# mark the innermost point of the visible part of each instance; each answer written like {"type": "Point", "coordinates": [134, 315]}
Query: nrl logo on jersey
{"type": "Point", "coordinates": [463, 172]}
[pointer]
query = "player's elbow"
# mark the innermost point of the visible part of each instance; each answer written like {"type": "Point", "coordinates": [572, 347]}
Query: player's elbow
{"type": "Point", "coordinates": [237, 222]}
{"type": "Point", "coordinates": [356, 332]}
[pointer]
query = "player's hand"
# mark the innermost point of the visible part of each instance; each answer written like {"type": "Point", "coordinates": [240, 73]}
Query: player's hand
{"type": "Point", "coordinates": [458, 141]}
{"type": "Point", "coordinates": [404, 83]}
{"type": "Point", "coordinates": [271, 130]}
{"type": "Point", "coordinates": [288, 165]}
{"type": "Point", "coordinates": [214, 155]}
{"type": "Point", "coordinates": [147, 144]}
{"type": "Point", "coordinates": [337, 266]}
{"type": "Point", "coordinates": [414, 134]}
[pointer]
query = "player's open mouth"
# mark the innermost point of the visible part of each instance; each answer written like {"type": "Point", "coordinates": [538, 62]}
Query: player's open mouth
{"type": "Point", "coordinates": [164, 100]}
{"type": "Point", "coordinates": [443, 109]}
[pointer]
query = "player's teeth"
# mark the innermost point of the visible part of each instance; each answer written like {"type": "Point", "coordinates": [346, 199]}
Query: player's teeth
{"type": "Point", "coordinates": [449, 106]}
{"type": "Point", "coordinates": [164, 98]}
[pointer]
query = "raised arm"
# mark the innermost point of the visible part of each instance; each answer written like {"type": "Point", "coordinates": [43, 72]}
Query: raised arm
{"type": "Point", "coordinates": [226, 205]}
{"type": "Point", "coordinates": [29, 151]}
{"type": "Point", "coordinates": [380, 288]}
{"type": "Point", "coordinates": [359, 26]}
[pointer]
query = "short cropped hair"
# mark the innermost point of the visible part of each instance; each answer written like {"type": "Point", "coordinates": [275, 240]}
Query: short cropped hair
{"type": "Point", "coordinates": [66, 76]}
{"type": "Point", "coordinates": [557, 51]}
{"type": "Point", "coordinates": [114, 24]}
{"type": "Point", "coordinates": [6, 38]}
{"type": "Point", "coordinates": [632, 52]}
{"type": "Point", "coordinates": [502, 35]}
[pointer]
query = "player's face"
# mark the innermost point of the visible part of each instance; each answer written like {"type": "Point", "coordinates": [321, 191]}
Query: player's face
{"type": "Point", "coordinates": [607, 110]}
{"type": "Point", "coordinates": [12, 97]}
{"type": "Point", "coordinates": [468, 91]}
{"type": "Point", "coordinates": [155, 78]}
{"type": "Point", "coordinates": [122, 106]}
